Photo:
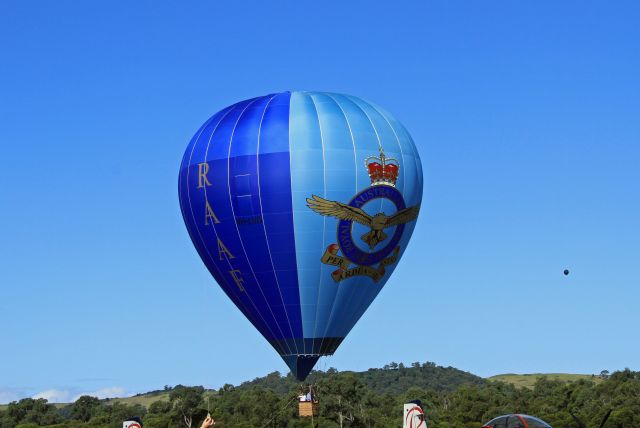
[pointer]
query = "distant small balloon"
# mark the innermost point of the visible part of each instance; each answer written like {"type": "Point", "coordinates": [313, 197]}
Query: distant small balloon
{"type": "Point", "coordinates": [566, 272]}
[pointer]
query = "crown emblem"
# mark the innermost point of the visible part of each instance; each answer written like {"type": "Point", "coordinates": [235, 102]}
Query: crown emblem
{"type": "Point", "coordinates": [382, 170]}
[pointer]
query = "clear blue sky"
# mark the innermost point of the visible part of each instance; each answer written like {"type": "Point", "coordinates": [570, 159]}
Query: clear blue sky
{"type": "Point", "coordinates": [526, 115]}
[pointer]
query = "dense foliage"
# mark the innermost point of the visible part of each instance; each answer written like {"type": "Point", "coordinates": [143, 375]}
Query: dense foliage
{"type": "Point", "coordinates": [393, 378]}
{"type": "Point", "coordinates": [372, 399]}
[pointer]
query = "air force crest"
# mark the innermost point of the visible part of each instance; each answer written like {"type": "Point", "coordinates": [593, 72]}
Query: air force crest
{"type": "Point", "coordinates": [378, 252]}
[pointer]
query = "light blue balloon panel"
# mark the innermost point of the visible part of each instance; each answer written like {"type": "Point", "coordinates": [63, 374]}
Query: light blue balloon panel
{"type": "Point", "coordinates": [301, 204]}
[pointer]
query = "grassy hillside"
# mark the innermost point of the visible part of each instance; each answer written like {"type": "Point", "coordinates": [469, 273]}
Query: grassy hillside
{"type": "Point", "coordinates": [56, 405]}
{"type": "Point", "coordinates": [528, 380]}
{"type": "Point", "coordinates": [347, 397]}
{"type": "Point", "coordinates": [148, 398]}
{"type": "Point", "coordinates": [386, 380]}
{"type": "Point", "coordinates": [143, 399]}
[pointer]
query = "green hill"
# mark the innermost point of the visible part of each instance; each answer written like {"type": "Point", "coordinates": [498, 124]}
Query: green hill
{"type": "Point", "coordinates": [391, 379]}
{"type": "Point", "coordinates": [453, 398]}
{"type": "Point", "coordinates": [528, 380]}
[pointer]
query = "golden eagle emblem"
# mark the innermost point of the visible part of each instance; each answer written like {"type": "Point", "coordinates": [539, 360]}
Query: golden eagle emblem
{"type": "Point", "coordinates": [377, 222]}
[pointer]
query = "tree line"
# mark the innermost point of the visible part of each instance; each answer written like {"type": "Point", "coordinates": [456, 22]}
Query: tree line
{"type": "Point", "coordinates": [371, 399]}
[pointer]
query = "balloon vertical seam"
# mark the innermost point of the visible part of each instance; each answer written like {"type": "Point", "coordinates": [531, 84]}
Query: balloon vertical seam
{"type": "Point", "coordinates": [248, 313]}
{"type": "Point", "coordinates": [324, 220]}
{"type": "Point", "coordinates": [333, 306]}
{"type": "Point", "coordinates": [236, 223]}
{"type": "Point", "coordinates": [264, 226]}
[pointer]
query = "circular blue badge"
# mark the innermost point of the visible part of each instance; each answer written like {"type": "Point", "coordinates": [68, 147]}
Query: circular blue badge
{"type": "Point", "coordinates": [345, 240]}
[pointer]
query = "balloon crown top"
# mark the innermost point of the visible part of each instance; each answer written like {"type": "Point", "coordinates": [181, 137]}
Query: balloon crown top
{"type": "Point", "coordinates": [382, 170]}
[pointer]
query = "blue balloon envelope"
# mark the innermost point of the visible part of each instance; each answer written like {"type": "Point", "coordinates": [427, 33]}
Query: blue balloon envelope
{"type": "Point", "coordinates": [301, 204]}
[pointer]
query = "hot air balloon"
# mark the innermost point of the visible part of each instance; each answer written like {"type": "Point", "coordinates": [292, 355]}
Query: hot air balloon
{"type": "Point", "coordinates": [516, 421]}
{"type": "Point", "coordinates": [300, 205]}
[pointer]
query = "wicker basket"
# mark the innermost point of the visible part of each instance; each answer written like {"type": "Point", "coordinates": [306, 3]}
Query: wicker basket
{"type": "Point", "coordinates": [307, 409]}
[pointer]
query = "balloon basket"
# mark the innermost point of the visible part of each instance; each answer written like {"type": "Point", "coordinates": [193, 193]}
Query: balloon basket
{"type": "Point", "coordinates": [308, 409]}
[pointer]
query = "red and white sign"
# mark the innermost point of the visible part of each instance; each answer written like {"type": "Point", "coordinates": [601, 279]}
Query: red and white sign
{"type": "Point", "coordinates": [413, 416]}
